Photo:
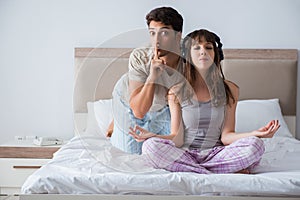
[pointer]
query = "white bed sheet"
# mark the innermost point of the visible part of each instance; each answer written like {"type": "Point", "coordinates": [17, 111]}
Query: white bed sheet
{"type": "Point", "coordinates": [90, 165]}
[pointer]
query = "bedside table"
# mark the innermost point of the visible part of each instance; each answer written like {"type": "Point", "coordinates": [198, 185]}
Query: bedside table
{"type": "Point", "coordinates": [18, 160]}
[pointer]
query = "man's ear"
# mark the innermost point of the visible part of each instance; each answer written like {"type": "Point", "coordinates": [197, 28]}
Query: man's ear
{"type": "Point", "coordinates": [178, 37]}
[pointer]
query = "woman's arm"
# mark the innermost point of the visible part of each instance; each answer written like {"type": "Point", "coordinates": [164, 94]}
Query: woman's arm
{"type": "Point", "coordinates": [228, 133]}
{"type": "Point", "coordinates": [177, 130]}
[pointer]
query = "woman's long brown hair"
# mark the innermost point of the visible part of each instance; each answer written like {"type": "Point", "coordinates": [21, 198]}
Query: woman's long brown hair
{"type": "Point", "coordinates": [215, 80]}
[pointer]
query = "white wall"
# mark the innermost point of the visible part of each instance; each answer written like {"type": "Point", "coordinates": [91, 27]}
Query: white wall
{"type": "Point", "coordinates": [37, 40]}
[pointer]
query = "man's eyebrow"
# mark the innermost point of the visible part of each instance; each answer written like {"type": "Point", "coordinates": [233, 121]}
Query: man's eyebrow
{"type": "Point", "coordinates": [164, 27]}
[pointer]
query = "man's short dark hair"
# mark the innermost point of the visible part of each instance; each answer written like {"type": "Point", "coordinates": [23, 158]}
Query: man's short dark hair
{"type": "Point", "coordinates": [167, 16]}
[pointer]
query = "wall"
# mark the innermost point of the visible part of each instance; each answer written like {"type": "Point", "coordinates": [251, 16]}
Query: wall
{"type": "Point", "coordinates": [37, 40]}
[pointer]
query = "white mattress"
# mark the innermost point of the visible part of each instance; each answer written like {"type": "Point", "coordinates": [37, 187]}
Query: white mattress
{"type": "Point", "coordinates": [89, 165]}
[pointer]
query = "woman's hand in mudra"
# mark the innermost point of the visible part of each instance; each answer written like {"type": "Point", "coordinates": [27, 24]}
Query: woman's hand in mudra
{"type": "Point", "coordinates": [269, 130]}
{"type": "Point", "coordinates": [140, 134]}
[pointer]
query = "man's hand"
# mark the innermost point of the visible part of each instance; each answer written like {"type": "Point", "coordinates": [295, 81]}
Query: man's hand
{"type": "Point", "coordinates": [157, 66]}
{"type": "Point", "coordinates": [110, 129]}
{"type": "Point", "coordinates": [140, 134]}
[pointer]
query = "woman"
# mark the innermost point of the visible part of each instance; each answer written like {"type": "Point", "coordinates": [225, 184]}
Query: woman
{"type": "Point", "coordinates": [203, 137]}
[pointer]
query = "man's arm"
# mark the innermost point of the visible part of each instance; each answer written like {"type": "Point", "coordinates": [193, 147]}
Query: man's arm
{"type": "Point", "coordinates": [141, 97]}
{"type": "Point", "coordinates": [142, 94]}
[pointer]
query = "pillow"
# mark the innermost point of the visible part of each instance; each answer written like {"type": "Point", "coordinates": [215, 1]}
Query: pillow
{"type": "Point", "coordinates": [99, 117]}
{"type": "Point", "coordinates": [254, 114]}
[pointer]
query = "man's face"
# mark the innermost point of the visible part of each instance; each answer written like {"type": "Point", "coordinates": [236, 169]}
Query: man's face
{"type": "Point", "coordinates": [164, 38]}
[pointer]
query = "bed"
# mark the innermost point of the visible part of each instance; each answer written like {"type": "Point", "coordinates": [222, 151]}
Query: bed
{"type": "Point", "coordinates": [89, 166]}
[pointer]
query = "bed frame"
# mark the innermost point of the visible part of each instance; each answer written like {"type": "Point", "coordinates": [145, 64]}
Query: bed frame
{"type": "Point", "coordinates": [260, 74]}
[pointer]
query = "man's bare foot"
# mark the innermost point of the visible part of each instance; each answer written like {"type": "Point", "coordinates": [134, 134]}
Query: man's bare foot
{"type": "Point", "coordinates": [243, 171]}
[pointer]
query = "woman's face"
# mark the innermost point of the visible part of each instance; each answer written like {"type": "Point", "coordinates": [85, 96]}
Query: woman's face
{"type": "Point", "coordinates": [202, 54]}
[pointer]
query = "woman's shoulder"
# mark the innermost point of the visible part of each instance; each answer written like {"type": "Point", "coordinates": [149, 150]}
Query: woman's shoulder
{"type": "Point", "coordinates": [231, 84]}
{"type": "Point", "coordinates": [234, 88]}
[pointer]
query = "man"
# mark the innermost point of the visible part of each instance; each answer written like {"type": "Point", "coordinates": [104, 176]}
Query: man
{"type": "Point", "coordinates": [152, 71]}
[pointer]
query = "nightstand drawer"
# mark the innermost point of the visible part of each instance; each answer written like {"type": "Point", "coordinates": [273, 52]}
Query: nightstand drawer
{"type": "Point", "coordinates": [14, 171]}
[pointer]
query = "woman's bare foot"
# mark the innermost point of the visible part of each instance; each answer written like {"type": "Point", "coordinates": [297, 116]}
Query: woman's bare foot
{"type": "Point", "coordinates": [243, 171]}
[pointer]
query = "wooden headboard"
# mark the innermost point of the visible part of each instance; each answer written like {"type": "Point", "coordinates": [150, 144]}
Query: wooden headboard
{"type": "Point", "coordinates": [260, 74]}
